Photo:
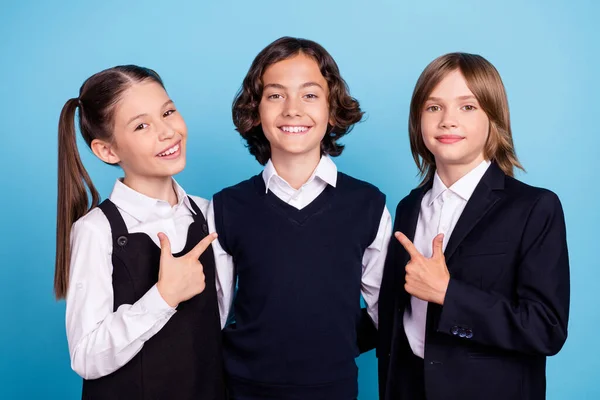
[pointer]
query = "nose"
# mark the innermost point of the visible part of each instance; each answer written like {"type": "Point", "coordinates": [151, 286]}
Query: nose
{"type": "Point", "coordinates": [166, 131]}
{"type": "Point", "coordinates": [449, 119]}
{"type": "Point", "coordinates": [292, 107]}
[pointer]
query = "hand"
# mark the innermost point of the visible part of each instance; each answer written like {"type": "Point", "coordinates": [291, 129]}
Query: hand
{"type": "Point", "coordinates": [181, 278]}
{"type": "Point", "coordinates": [426, 278]}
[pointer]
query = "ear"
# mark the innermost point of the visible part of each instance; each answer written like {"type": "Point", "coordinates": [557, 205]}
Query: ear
{"type": "Point", "coordinates": [105, 151]}
{"type": "Point", "coordinates": [256, 121]}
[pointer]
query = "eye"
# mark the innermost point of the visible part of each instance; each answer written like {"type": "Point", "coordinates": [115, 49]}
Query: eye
{"type": "Point", "coordinates": [274, 96]}
{"type": "Point", "coordinates": [433, 108]}
{"type": "Point", "coordinates": [169, 112]}
{"type": "Point", "coordinates": [141, 126]}
{"type": "Point", "coordinates": [311, 96]}
{"type": "Point", "coordinates": [469, 107]}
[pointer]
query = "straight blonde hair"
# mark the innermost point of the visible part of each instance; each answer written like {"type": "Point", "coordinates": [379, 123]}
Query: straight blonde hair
{"type": "Point", "coordinates": [484, 81]}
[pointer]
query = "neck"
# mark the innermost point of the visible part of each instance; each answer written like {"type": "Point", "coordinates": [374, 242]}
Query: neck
{"type": "Point", "coordinates": [451, 173]}
{"type": "Point", "coordinates": [296, 169]}
{"type": "Point", "coordinates": [156, 188]}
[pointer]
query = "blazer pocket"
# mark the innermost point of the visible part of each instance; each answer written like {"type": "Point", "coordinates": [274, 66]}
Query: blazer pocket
{"type": "Point", "coordinates": [483, 249]}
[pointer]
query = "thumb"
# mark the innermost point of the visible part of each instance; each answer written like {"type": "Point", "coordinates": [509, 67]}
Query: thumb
{"type": "Point", "coordinates": [437, 246]}
{"type": "Point", "coordinates": [165, 245]}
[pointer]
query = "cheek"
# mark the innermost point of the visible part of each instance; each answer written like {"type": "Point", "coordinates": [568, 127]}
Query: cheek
{"type": "Point", "coordinates": [267, 112]}
{"type": "Point", "coordinates": [320, 110]}
{"type": "Point", "coordinates": [482, 129]}
{"type": "Point", "coordinates": [181, 127]}
{"type": "Point", "coordinates": [428, 128]}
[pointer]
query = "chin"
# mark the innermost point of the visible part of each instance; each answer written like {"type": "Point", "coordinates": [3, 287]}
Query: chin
{"type": "Point", "coordinates": [175, 169]}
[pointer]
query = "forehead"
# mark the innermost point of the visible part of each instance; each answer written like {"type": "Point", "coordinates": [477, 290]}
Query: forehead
{"type": "Point", "coordinates": [139, 98]}
{"type": "Point", "coordinates": [294, 71]}
{"type": "Point", "coordinates": [453, 84]}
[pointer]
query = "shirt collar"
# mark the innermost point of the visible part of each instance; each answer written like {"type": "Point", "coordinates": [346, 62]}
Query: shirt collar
{"type": "Point", "coordinates": [326, 170]}
{"type": "Point", "coordinates": [464, 187]}
{"type": "Point", "coordinates": [140, 206]}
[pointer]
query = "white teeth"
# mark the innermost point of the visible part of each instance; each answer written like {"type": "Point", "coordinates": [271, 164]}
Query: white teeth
{"type": "Point", "coordinates": [170, 151]}
{"type": "Point", "coordinates": [294, 129]}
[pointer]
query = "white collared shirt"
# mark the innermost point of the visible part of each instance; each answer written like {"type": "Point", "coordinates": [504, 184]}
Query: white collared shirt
{"type": "Point", "coordinates": [100, 340]}
{"type": "Point", "coordinates": [441, 208]}
{"type": "Point", "coordinates": [325, 174]}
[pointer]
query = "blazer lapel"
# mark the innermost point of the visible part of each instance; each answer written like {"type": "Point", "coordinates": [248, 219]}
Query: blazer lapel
{"type": "Point", "coordinates": [482, 200]}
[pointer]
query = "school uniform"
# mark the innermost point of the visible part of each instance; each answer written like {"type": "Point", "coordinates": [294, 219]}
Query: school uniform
{"type": "Point", "coordinates": [301, 259]}
{"type": "Point", "coordinates": [124, 339]}
{"type": "Point", "coordinates": [507, 303]}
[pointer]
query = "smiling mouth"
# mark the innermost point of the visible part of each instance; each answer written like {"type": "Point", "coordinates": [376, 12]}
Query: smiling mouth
{"type": "Point", "coordinates": [295, 129]}
{"type": "Point", "coordinates": [171, 150]}
{"type": "Point", "coordinates": [449, 139]}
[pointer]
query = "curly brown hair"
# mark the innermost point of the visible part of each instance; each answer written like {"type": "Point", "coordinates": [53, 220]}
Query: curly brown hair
{"type": "Point", "coordinates": [344, 110]}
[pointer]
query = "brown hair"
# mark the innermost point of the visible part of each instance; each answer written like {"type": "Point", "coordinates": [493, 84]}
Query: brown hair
{"type": "Point", "coordinates": [484, 81]}
{"type": "Point", "coordinates": [96, 102]}
{"type": "Point", "coordinates": [344, 109]}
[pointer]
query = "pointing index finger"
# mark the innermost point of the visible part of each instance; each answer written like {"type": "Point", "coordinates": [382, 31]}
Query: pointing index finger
{"type": "Point", "coordinates": [408, 245]}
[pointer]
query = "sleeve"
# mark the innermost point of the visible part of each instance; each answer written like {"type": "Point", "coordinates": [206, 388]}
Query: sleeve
{"type": "Point", "coordinates": [100, 340]}
{"type": "Point", "coordinates": [373, 261]}
{"type": "Point", "coordinates": [225, 271]}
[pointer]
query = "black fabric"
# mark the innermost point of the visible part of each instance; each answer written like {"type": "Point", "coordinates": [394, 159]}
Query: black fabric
{"type": "Point", "coordinates": [297, 308]}
{"type": "Point", "coordinates": [184, 359]}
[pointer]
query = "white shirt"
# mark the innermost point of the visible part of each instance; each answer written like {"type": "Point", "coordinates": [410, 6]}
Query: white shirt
{"type": "Point", "coordinates": [100, 340]}
{"type": "Point", "coordinates": [325, 174]}
{"type": "Point", "coordinates": [441, 208]}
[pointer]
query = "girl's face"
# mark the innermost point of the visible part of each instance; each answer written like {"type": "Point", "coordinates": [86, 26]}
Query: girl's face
{"type": "Point", "coordinates": [149, 133]}
{"type": "Point", "coordinates": [454, 127]}
{"type": "Point", "coordinates": [294, 109]}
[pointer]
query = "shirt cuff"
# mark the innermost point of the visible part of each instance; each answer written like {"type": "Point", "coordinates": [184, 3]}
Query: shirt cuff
{"type": "Point", "coordinates": [153, 303]}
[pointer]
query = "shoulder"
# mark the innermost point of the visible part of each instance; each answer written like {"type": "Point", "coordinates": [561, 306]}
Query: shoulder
{"type": "Point", "coordinates": [349, 183]}
{"type": "Point", "coordinates": [411, 198]}
{"type": "Point", "coordinates": [91, 231]}
{"type": "Point", "coordinates": [239, 193]}
{"type": "Point", "coordinates": [242, 187]}
{"type": "Point", "coordinates": [94, 223]}
{"type": "Point", "coordinates": [532, 195]}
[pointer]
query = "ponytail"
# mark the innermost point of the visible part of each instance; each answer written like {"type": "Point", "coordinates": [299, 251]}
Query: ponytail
{"type": "Point", "coordinates": [97, 98]}
{"type": "Point", "coordinates": [73, 201]}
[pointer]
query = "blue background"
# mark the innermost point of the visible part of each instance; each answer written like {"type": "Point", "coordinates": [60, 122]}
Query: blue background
{"type": "Point", "coordinates": [546, 51]}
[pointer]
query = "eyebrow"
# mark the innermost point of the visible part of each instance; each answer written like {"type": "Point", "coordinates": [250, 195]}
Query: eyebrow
{"type": "Point", "coordinates": [303, 86]}
{"type": "Point", "coordinates": [145, 114]}
{"type": "Point", "coordinates": [467, 97]}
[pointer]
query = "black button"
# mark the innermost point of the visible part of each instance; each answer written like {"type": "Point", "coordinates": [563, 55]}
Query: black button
{"type": "Point", "coordinates": [205, 229]}
{"type": "Point", "coordinates": [454, 330]}
{"type": "Point", "coordinates": [468, 334]}
{"type": "Point", "coordinates": [122, 241]}
{"type": "Point", "coordinates": [462, 333]}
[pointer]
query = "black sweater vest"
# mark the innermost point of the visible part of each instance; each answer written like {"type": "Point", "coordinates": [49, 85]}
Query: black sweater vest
{"type": "Point", "coordinates": [297, 306]}
{"type": "Point", "coordinates": [184, 359]}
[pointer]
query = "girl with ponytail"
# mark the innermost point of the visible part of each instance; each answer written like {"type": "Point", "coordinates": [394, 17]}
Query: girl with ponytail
{"type": "Point", "coordinates": [137, 270]}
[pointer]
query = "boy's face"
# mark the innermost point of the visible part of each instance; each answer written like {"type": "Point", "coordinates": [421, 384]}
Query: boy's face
{"type": "Point", "coordinates": [454, 127]}
{"type": "Point", "coordinates": [294, 108]}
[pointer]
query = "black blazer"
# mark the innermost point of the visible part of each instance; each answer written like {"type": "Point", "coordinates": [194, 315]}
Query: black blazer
{"type": "Point", "coordinates": [507, 303]}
